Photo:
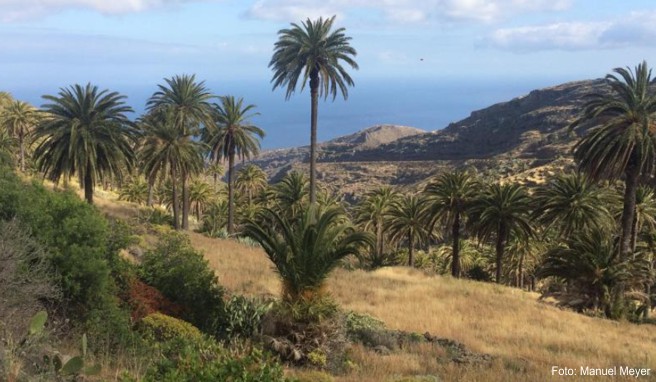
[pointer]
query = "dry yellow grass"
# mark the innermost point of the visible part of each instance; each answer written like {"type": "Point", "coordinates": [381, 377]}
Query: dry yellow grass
{"type": "Point", "coordinates": [526, 337]}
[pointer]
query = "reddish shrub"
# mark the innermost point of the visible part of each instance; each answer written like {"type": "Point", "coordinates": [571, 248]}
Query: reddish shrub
{"type": "Point", "coordinates": [144, 300]}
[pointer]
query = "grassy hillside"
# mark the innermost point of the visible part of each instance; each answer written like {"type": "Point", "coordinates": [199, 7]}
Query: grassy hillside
{"type": "Point", "coordinates": [526, 337]}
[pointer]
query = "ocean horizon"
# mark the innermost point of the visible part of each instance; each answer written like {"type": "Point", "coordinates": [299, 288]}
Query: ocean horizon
{"type": "Point", "coordinates": [425, 104]}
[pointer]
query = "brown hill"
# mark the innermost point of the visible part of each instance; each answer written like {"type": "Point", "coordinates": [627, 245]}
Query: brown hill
{"type": "Point", "coordinates": [502, 140]}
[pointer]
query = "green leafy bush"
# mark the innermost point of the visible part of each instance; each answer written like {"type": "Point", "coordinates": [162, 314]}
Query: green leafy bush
{"type": "Point", "coordinates": [183, 275]}
{"type": "Point", "coordinates": [161, 327]}
{"type": "Point", "coordinates": [244, 316]}
{"type": "Point", "coordinates": [205, 360]}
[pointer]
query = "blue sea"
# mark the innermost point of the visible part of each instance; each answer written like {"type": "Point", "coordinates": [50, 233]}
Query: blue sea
{"type": "Point", "coordinates": [425, 104]}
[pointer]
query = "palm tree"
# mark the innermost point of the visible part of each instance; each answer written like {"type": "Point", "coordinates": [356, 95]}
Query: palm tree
{"type": "Point", "coordinates": [371, 214]}
{"type": "Point", "coordinates": [85, 132]}
{"type": "Point", "coordinates": [621, 141]}
{"type": "Point", "coordinates": [447, 199]}
{"type": "Point", "coordinates": [572, 204]}
{"type": "Point", "coordinates": [292, 194]}
{"type": "Point", "coordinates": [5, 100]}
{"type": "Point", "coordinates": [232, 136]}
{"type": "Point", "coordinates": [188, 107]}
{"type": "Point", "coordinates": [502, 211]}
{"type": "Point", "coordinates": [200, 195]}
{"type": "Point", "coordinates": [19, 118]}
{"type": "Point", "coordinates": [306, 250]}
{"type": "Point", "coordinates": [589, 263]}
{"type": "Point", "coordinates": [251, 179]}
{"type": "Point", "coordinates": [215, 169]}
{"type": "Point", "coordinates": [168, 149]}
{"type": "Point", "coordinates": [135, 191]}
{"type": "Point", "coordinates": [7, 145]}
{"type": "Point", "coordinates": [406, 219]}
{"type": "Point", "coordinates": [312, 51]}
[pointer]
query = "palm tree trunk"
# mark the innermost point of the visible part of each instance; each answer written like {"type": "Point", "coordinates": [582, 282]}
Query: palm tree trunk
{"type": "Point", "coordinates": [231, 202]}
{"type": "Point", "coordinates": [379, 242]}
{"type": "Point", "coordinates": [22, 152]}
{"type": "Point", "coordinates": [455, 258]}
{"type": "Point", "coordinates": [88, 185]}
{"type": "Point", "coordinates": [501, 243]}
{"type": "Point", "coordinates": [520, 272]}
{"type": "Point", "coordinates": [149, 202]}
{"type": "Point", "coordinates": [176, 202]}
{"type": "Point", "coordinates": [634, 231]}
{"type": "Point", "coordinates": [314, 111]}
{"type": "Point", "coordinates": [628, 211]}
{"type": "Point", "coordinates": [411, 250]}
{"type": "Point", "coordinates": [186, 203]}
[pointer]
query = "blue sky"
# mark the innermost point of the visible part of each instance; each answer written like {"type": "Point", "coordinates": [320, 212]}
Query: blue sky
{"type": "Point", "coordinates": [59, 41]}
{"type": "Point", "coordinates": [47, 44]}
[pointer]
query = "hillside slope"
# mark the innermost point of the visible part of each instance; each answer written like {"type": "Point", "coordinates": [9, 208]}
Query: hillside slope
{"type": "Point", "coordinates": [532, 129]}
{"type": "Point", "coordinates": [526, 337]}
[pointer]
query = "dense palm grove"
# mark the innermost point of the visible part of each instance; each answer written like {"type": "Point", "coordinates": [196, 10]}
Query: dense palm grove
{"type": "Point", "coordinates": [586, 237]}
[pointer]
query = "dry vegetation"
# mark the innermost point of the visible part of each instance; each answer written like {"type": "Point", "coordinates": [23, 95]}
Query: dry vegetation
{"type": "Point", "coordinates": [525, 336]}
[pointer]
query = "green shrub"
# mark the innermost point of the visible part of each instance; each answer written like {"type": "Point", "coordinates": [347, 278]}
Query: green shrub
{"type": "Point", "coordinates": [205, 360]}
{"type": "Point", "coordinates": [161, 327]}
{"type": "Point", "coordinates": [244, 316]}
{"type": "Point", "coordinates": [183, 275]}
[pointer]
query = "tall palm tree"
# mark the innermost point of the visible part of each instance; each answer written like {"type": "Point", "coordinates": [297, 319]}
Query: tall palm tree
{"type": "Point", "coordinates": [168, 149]}
{"type": "Point", "coordinates": [312, 51]}
{"type": "Point", "coordinates": [85, 132]}
{"type": "Point", "coordinates": [188, 106]}
{"type": "Point", "coordinates": [572, 204]}
{"type": "Point", "coordinates": [371, 214]}
{"type": "Point", "coordinates": [251, 180]}
{"type": "Point", "coordinates": [502, 211]}
{"type": "Point", "coordinates": [621, 141]}
{"type": "Point", "coordinates": [232, 136]}
{"type": "Point", "coordinates": [306, 250]}
{"type": "Point", "coordinates": [406, 219]}
{"type": "Point", "coordinates": [19, 118]}
{"type": "Point", "coordinates": [447, 200]}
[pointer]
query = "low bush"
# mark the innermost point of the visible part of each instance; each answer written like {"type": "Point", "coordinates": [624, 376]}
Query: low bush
{"type": "Point", "coordinates": [161, 328]}
{"type": "Point", "coordinates": [183, 275]}
{"type": "Point", "coordinates": [244, 316]}
{"type": "Point", "coordinates": [205, 360]}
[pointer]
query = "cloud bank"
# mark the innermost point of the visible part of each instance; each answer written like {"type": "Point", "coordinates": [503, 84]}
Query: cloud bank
{"type": "Point", "coordinates": [17, 10]}
{"type": "Point", "coordinates": [403, 11]}
{"type": "Point", "coordinates": [636, 29]}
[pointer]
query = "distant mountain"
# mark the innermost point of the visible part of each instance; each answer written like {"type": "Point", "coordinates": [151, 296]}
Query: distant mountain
{"type": "Point", "coordinates": [532, 129]}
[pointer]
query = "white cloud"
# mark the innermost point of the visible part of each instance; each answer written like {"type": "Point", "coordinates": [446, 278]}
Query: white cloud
{"type": "Point", "coordinates": [15, 10]}
{"type": "Point", "coordinates": [637, 29]}
{"type": "Point", "coordinates": [404, 11]}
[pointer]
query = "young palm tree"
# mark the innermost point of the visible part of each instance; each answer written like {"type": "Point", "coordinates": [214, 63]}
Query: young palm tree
{"type": "Point", "coordinates": [407, 219]}
{"type": "Point", "coordinates": [292, 194]}
{"type": "Point", "coordinates": [371, 214]}
{"type": "Point", "coordinates": [589, 263]}
{"type": "Point", "coordinates": [502, 211]}
{"type": "Point", "coordinates": [19, 118]}
{"type": "Point", "coordinates": [135, 191]}
{"type": "Point", "coordinates": [232, 136]}
{"type": "Point", "coordinates": [188, 106]}
{"type": "Point", "coordinates": [215, 170]}
{"type": "Point", "coordinates": [251, 180]}
{"type": "Point", "coordinates": [85, 132]}
{"type": "Point", "coordinates": [447, 200]}
{"type": "Point", "coordinates": [306, 250]}
{"type": "Point", "coordinates": [168, 149]}
{"type": "Point", "coordinates": [621, 141]}
{"type": "Point", "coordinates": [312, 51]}
{"type": "Point", "coordinates": [572, 205]}
{"type": "Point", "coordinates": [200, 195]}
